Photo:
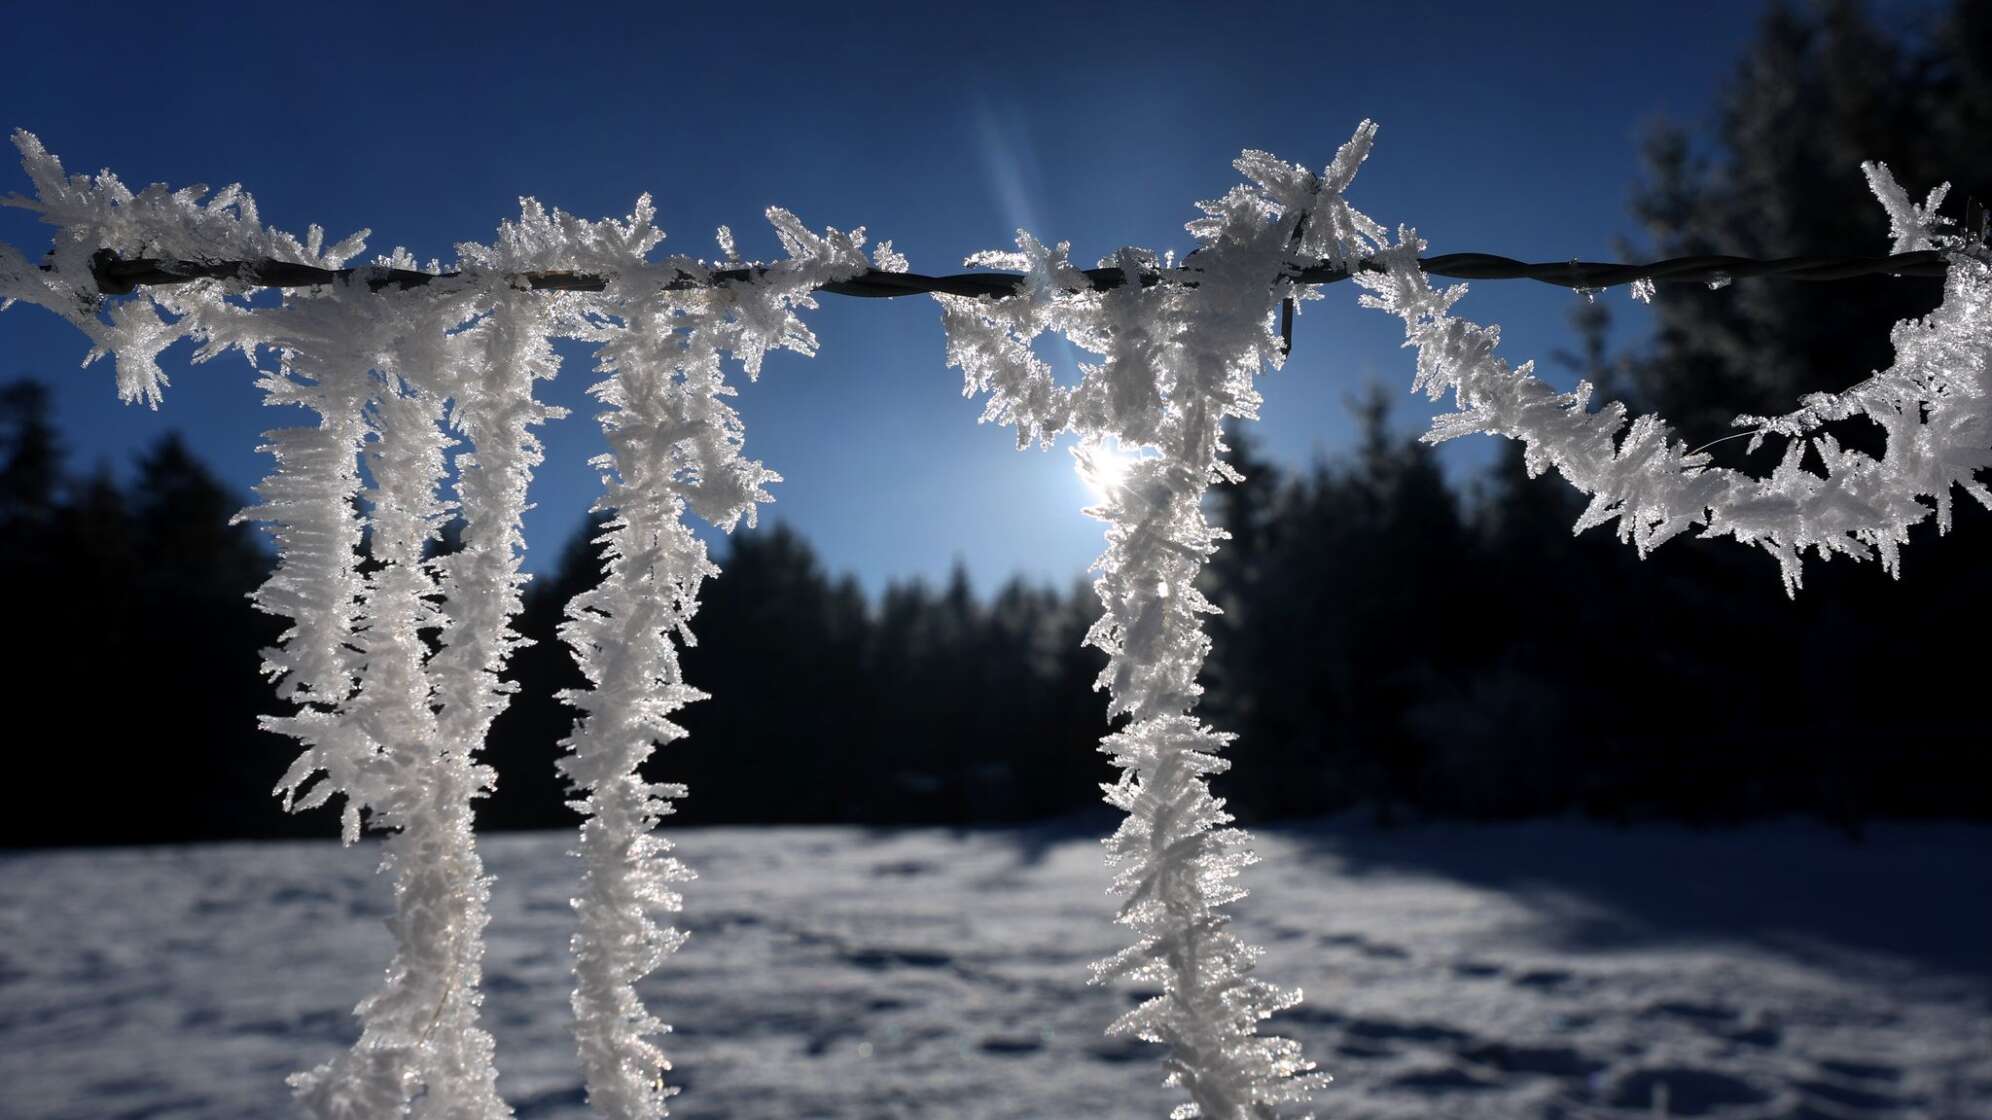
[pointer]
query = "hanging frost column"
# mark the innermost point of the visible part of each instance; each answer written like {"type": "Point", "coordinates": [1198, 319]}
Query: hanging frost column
{"type": "Point", "coordinates": [370, 366]}
{"type": "Point", "coordinates": [675, 444]}
{"type": "Point", "coordinates": [1179, 358]}
{"type": "Point", "coordinates": [420, 1046]}
{"type": "Point", "coordinates": [1175, 863]}
{"type": "Point", "coordinates": [507, 352]}
{"type": "Point", "coordinates": [488, 371]}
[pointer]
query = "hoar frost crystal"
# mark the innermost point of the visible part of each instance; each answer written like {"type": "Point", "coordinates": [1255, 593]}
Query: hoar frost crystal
{"type": "Point", "coordinates": [394, 666]}
{"type": "Point", "coordinates": [390, 373]}
{"type": "Point", "coordinates": [1176, 361]}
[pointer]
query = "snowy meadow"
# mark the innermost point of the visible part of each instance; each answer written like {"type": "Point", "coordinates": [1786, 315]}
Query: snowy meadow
{"type": "Point", "coordinates": [1545, 970]}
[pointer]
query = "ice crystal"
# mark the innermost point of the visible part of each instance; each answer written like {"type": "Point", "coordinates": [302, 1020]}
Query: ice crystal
{"type": "Point", "coordinates": [385, 722]}
{"type": "Point", "coordinates": [675, 445]}
{"type": "Point", "coordinates": [1934, 403]}
{"type": "Point", "coordinates": [1176, 359]}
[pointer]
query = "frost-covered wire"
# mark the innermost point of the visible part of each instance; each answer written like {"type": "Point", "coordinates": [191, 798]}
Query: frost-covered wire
{"type": "Point", "coordinates": [392, 356]}
{"type": "Point", "coordinates": [115, 275]}
{"type": "Point", "coordinates": [390, 366]}
{"type": "Point", "coordinates": [119, 276]}
{"type": "Point", "coordinates": [95, 217]}
{"type": "Point", "coordinates": [1175, 361]}
{"type": "Point", "coordinates": [374, 724]}
{"type": "Point", "coordinates": [502, 356]}
{"type": "Point", "coordinates": [675, 445]}
{"type": "Point", "coordinates": [421, 1050]}
{"type": "Point", "coordinates": [1177, 356]}
{"type": "Point", "coordinates": [1934, 403]}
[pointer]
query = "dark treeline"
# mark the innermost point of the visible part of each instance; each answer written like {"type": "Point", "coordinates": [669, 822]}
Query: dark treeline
{"type": "Point", "coordinates": [928, 705]}
{"type": "Point", "coordinates": [134, 693]}
{"type": "Point", "coordinates": [132, 684]}
{"type": "Point", "coordinates": [1388, 641]}
{"type": "Point", "coordinates": [1385, 644]}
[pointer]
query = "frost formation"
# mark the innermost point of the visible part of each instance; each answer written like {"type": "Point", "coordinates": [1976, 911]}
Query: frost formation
{"type": "Point", "coordinates": [1177, 354]}
{"type": "Point", "coordinates": [397, 379]}
{"type": "Point", "coordinates": [1934, 403]}
{"type": "Point", "coordinates": [431, 387]}
{"type": "Point", "coordinates": [675, 445]}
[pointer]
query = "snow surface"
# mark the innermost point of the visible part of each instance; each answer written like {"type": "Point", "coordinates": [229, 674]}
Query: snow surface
{"type": "Point", "coordinates": [1540, 970]}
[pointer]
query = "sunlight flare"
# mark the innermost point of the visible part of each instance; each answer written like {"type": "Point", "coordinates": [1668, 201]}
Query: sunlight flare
{"type": "Point", "coordinates": [1102, 468]}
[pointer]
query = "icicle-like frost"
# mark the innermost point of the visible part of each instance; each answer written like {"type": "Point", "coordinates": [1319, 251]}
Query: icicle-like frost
{"type": "Point", "coordinates": [1934, 403]}
{"type": "Point", "coordinates": [675, 444]}
{"type": "Point", "coordinates": [1177, 359]}
{"type": "Point", "coordinates": [421, 1046]}
{"type": "Point", "coordinates": [384, 723]}
{"type": "Point", "coordinates": [381, 724]}
{"type": "Point", "coordinates": [502, 357]}
{"type": "Point", "coordinates": [420, 1043]}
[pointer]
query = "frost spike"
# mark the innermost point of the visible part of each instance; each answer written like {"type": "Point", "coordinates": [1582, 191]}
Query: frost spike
{"type": "Point", "coordinates": [675, 446]}
{"type": "Point", "coordinates": [1177, 360]}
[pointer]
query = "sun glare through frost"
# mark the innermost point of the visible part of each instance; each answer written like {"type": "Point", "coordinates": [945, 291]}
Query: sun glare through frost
{"type": "Point", "coordinates": [1102, 468]}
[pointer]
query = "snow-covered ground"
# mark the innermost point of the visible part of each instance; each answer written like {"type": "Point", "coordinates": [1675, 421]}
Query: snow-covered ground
{"type": "Point", "coordinates": [1536, 970]}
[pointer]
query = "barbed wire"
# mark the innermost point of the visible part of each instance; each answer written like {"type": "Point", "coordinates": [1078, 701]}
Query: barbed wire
{"type": "Point", "coordinates": [116, 275]}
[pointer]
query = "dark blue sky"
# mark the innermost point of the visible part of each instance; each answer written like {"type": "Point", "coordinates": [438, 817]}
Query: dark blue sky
{"type": "Point", "coordinates": [1509, 128]}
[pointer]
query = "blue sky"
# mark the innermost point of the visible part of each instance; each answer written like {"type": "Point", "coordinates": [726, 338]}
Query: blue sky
{"type": "Point", "coordinates": [1508, 128]}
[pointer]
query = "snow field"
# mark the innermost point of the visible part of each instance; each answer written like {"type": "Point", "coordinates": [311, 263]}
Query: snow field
{"type": "Point", "coordinates": [1538, 970]}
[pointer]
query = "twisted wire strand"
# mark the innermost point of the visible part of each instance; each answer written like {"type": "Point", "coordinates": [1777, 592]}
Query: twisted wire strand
{"type": "Point", "coordinates": [118, 276]}
{"type": "Point", "coordinates": [115, 275]}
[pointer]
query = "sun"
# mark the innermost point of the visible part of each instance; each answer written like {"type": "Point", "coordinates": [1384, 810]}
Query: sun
{"type": "Point", "coordinates": [1102, 468]}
